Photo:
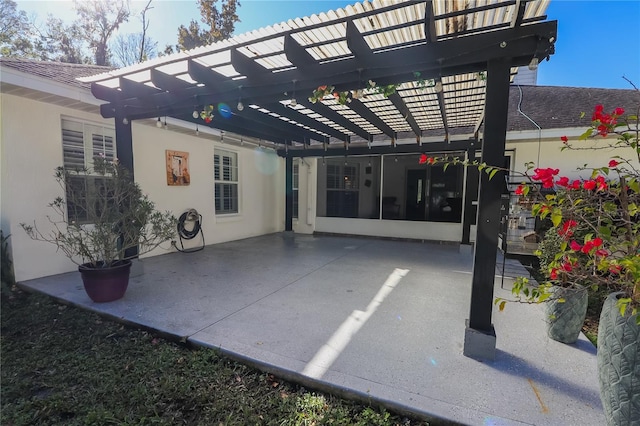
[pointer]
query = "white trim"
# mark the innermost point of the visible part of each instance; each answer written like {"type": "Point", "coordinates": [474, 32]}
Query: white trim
{"type": "Point", "coordinates": [416, 230]}
{"type": "Point", "coordinates": [45, 85]}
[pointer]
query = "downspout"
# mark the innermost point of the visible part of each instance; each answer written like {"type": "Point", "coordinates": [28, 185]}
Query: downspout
{"type": "Point", "coordinates": [534, 123]}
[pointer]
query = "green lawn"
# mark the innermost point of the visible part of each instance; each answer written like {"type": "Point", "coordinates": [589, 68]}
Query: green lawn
{"type": "Point", "coordinates": [63, 365]}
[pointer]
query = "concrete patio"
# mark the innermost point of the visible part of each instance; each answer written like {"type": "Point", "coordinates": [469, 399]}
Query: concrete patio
{"type": "Point", "coordinates": [369, 318]}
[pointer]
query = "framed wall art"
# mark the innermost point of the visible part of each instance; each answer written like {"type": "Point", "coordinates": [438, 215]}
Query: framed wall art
{"type": "Point", "coordinates": [178, 168]}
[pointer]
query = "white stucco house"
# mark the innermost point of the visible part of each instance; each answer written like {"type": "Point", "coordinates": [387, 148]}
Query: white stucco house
{"type": "Point", "coordinates": [270, 160]}
{"type": "Point", "coordinates": [42, 105]}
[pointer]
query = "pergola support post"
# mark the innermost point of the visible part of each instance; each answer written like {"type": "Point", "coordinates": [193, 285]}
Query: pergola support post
{"type": "Point", "coordinates": [124, 152]}
{"type": "Point", "coordinates": [480, 337]}
{"type": "Point", "coordinates": [470, 195]}
{"type": "Point", "coordinates": [124, 141]}
{"type": "Point", "coordinates": [288, 211]}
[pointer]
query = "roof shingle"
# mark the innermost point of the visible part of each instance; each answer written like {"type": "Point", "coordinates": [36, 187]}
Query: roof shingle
{"type": "Point", "coordinates": [60, 72]}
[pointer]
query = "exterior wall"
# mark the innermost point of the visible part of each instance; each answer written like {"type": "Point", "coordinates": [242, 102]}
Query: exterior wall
{"type": "Point", "coordinates": [32, 149]}
{"type": "Point", "coordinates": [550, 154]}
{"type": "Point", "coordinates": [524, 147]}
{"type": "Point", "coordinates": [428, 231]}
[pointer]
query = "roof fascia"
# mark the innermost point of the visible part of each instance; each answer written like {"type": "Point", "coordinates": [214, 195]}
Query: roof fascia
{"type": "Point", "coordinates": [45, 85]}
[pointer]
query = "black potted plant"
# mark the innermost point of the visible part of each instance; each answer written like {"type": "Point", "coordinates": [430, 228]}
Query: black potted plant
{"type": "Point", "coordinates": [104, 221]}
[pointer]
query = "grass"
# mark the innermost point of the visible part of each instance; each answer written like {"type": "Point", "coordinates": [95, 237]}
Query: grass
{"type": "Point", "coordinates": [64, 365]}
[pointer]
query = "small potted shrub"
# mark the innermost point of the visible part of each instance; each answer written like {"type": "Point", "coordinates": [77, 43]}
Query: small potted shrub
{"type": "Point", "coordinates": [119, 222]}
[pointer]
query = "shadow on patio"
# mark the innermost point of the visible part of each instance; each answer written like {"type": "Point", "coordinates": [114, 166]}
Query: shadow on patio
{"type": "Point", "coordinates": [368, 318]}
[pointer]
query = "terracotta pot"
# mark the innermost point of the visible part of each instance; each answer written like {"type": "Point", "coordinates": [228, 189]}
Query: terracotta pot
{"type": "Point", "coordinates": [106, 284]}
{"type": "Point", "coordinates": [565, 318]}
{"type": "Point", "coordinates": [619, 364]}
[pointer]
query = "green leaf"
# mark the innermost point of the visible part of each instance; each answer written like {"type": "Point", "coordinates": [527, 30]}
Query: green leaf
{"type": "Point", "coordinates": [556, 217]}
{"type": "Point", "coordinates": [586, 135]}
{"type": "Point", "coordinates": [493, 173]}
{"type": "Point", "coordinates": [502, 305]}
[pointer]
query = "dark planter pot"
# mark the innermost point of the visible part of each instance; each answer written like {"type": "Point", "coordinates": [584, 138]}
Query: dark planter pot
{"type": "Point", "coordinates": [619, 364]}
{"type": "Point", "coordinates": [106, 284]}
{"type": "Point", "coordinates": [565, 319]}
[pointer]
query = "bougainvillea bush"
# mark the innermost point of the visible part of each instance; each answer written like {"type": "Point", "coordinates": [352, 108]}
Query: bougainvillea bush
{"type": "Point", "coordinates": [597, 217]}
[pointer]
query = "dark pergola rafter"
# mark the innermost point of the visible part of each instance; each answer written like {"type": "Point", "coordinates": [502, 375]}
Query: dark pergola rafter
{"type": "Point", "coordinates": [172, 95]}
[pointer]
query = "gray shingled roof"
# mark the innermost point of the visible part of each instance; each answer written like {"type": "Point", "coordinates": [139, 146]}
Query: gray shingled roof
{"type": "Point", "coordinates": [554, 107]}
{"type": "Point", "coordinates": [551, 107]}
{"type": "Point", "coordinates": [56, 71]}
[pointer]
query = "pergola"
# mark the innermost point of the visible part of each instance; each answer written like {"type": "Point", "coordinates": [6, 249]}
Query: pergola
{"type": "Point", "coordinates": [448, 65]}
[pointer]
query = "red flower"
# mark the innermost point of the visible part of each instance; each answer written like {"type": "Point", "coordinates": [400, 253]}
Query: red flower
{"type": "Point", "coordinates": [567, 228]}
{"type": "Point", "coordinates": [575, 184]}
{"type": "Point", "coordinates": [545, 176]}
{"type": "Point", "coordinates": [602, 183]}
{"type": "Point", "coordinates": [615, 269]}
{"type": "Point", "coordinates": [566, 266]}
{"type": "Point", "coordinates": [424, 159]}
{"type": "Point", "coordinates": [322, 88]}
{"type": "Point", "coordinates": [603, 130]}
{"type": "Point", "coordinates": [618, 111]}
{"type": "Point", "coordinates": [602, 253]}
{"type": "Point", "coordinates": [575, 246]}
{"type": "Point", "coordinates": [589, 185]}
{"type": "Point", "coordinates": [520, 190]}
{"type": "Point", "coordinates": [591, 244]}
{"type": "Point", "coordinates": [207, 119]}
{"type": "Point", "coordinates": [613, 163]}
{"type": "Point", "coordinates": [564, 139]}
{"type": "Point", "coordinates": [554, 274]}
{"type": "Point", "coordinates": [563, 181]}
{"type": "Point", "coordinates": [336, 95]}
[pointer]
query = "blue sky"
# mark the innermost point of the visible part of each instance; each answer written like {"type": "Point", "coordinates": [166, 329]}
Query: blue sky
{"type": "Point", "coordinates": [598, 41]}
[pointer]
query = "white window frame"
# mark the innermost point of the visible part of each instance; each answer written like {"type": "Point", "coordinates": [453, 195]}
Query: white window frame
{"type": "Point", "coordinates": [228, 180]}
{"type": "Point", "coordinates": [81, 142]}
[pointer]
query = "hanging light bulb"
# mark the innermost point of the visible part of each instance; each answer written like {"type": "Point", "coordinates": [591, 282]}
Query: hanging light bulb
{"type": "Point", "coordinates": [533, 65]}
{"type": "Point", "coordinates": [241, 141]}
{"type": "Point", "coordinates": [165, 123]}
{"type": "Point", "coordinates": [293, 102]}
{"type": "Point", "coordinates": [158, 123]}
{"type": "Point", "coordinates": [221, 137]}
{"type": "Point", "coordinates": [197, 131]}
{"type": "Point", "coordinates": [125, 121]}
{"type": "Point", "coordinates": [396, 159]}
{"type": "Point", "coordinates": [438, 86]}
{"type": "Point", "coordinates": [195, 114]}
{"type": "Point", "coordinates": [240, 105]}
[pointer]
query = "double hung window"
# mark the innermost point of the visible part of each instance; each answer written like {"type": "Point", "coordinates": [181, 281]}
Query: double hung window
{"type": "Point", "coordinates": [81, 142]}
{"type": "Point", "coordinates": [225, 166]}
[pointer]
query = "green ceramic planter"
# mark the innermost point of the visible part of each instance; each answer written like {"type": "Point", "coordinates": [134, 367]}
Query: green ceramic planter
{"type": "Point", "coordinates": [565, 313]}
{"type": "Point", "coordinates": [619, 364]}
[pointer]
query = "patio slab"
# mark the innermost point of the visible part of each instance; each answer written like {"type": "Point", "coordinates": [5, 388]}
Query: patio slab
{"type": "Point", "coordinates": [374, 319]}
